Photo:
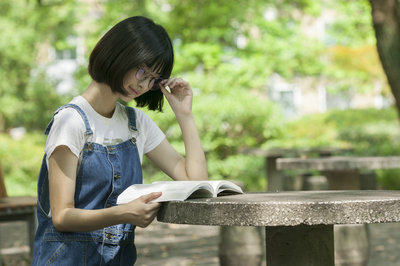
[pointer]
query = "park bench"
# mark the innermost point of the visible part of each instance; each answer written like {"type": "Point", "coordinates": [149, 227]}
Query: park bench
{"type": "Point", "coordinates": [13, 208]}
{"type": "Point", "coordinates": [343, 172]}
{"type": "Point", "coordinates": [275, 177]}
{"type": "Point", "coordinates": [298, 224]}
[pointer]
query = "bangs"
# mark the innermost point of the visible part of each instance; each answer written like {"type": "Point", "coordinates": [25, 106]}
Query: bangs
{"type": "Point", "coordinates": [162, 65]}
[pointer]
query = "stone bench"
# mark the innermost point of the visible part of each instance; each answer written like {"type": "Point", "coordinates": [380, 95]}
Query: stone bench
{"type": "Point", "coordinates": [274, 175]}
{"type": "Point", "coordinates": [298, 224]}
{"type": "Point", "coordinates": [343, 172]}
{"type": "Point", "coordinates": [18, 209]}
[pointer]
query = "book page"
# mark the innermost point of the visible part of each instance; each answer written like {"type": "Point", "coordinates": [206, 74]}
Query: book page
{"type": "Point", "coordinates": [225, 187]}
{"type": "Point", "coordinates": [219, 187]}
{"type": "Point", "coordinates": [171, 190]}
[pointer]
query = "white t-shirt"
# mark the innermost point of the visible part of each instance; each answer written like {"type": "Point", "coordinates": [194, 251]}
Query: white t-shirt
{"type": "Point", "coordinates": [69, 129]}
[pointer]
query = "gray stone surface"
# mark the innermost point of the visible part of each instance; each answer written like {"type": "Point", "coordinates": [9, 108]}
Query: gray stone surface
{"type": "Point", "coordinates": [287, 209]}
{"type": "Point", "coordinates": [300, 245]}
{"type": "Point", "coordinates": [287, 152]}
{"type": "Point", "coordinates": [338, 163]}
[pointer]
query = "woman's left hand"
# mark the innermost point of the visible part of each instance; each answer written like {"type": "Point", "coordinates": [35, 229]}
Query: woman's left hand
{"type": "Point", "coordinates": [181, 95]}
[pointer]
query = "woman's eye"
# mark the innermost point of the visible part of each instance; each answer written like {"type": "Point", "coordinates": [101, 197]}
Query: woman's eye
{"type": "Point", "coordinates": [140, 73]}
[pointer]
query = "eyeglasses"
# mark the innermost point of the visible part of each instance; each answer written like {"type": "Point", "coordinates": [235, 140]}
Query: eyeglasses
{"type": "Point", "coordinates": [154, 82]}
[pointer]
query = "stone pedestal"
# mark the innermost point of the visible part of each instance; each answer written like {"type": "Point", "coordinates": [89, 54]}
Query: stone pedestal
{"type": "Point", "coordinates": [307, 245]}
{"type": "Point", "coordinates": [351, 245]}
{"type": "Point", "coordinates": [241, 245]}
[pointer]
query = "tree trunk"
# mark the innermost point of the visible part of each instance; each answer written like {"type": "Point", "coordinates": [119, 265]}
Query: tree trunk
{"type": "Point", "coordinates": [386, 22]}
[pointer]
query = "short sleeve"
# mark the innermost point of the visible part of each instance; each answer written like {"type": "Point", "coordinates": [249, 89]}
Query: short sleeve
{"type": "Point", "coordinates": [68, 129]}
{"type": "Point", "coordinates": [152, 134]}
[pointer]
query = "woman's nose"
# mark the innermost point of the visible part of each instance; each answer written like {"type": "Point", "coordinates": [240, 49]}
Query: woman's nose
{"type": "Point", "coordinates": [145, 82]}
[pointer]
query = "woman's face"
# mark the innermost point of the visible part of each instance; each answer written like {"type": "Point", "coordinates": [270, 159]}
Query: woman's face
{"type": "Point", "coordinates": [138, 81]}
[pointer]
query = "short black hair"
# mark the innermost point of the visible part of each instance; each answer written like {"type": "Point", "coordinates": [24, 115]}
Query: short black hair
{"type": "Point", "coordinates": [131, 43]}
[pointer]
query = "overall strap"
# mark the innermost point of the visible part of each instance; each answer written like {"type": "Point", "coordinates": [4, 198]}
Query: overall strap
{"type": "Point", "coordinates": [131, 117]}
{"type": "Point", "coordinates": [80, 111]}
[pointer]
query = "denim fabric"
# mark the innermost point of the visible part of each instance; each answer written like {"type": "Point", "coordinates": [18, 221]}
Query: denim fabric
{"type": "Point", "coordinates": [103, 173]}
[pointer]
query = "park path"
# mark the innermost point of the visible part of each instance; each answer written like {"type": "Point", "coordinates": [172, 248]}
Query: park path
{"type": "Point", "coordinates": [190, 245]}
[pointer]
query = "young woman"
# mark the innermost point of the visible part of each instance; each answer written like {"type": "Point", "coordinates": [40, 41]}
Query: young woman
{"type": "Point", "coordinates": [95, 147]}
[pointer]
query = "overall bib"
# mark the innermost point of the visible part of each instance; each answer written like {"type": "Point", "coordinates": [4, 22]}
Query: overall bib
{"type": "Point", "coordinates": [103, 173]}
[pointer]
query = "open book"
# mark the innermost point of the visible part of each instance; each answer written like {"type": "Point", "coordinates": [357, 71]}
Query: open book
{"type": "Point", "coordinates": [180, 190]}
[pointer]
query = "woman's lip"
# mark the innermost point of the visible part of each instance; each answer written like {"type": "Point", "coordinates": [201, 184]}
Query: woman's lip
{"type": "Point", "coordinates": [133, 90]}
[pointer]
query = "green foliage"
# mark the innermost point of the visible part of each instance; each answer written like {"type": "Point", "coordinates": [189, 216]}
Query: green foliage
{"type": "Point", "coordinates": [371, 132]}
{"type": "Point", "coordinates": [357, 68]}
{"type": "Point", "coordinates": [351, 117]}
{"type": "Point", "coordinates": [31, 115]}
{"type": "Point", "coordinates": [389, 179]}
{"type": "Point", "coordinates": [352, 25]}
{"type": "Point", "coordinates": [230, 122]}
{"type": "Point", "coordinates": [247, 169]}
{"type": "Point", "coordinates": [368, 132]}
{"type": "Point", "coordinates": [208, 55]}
{"type": "Point", "coordinates": [20, 161]}
{"type": "Point", "coordinates": [25, 26]}
{"type": "Point", "coordinates": [351, 56]}
{"type": "Point", "coordinates": [309, 132]}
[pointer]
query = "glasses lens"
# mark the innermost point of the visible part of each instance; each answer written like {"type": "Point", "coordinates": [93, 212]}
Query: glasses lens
{"type": "Point", "coordinates": [140, 73]}
{"type": "Point", "coordinates": [155, 84]}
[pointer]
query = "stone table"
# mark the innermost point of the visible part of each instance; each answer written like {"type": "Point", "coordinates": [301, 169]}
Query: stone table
{"type": "Point", "coordinates": [298, 224]}
{"type": "Point", "coordinates": [342, 171]}
{"type": "Point", "coordinates": [274, 175]}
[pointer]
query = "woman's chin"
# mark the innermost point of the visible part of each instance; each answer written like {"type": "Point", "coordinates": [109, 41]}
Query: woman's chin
{"type": "Point", "coordinates": [127, 98]}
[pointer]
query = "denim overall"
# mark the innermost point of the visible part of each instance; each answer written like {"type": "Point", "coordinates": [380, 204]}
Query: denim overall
{"type": "Point", "coordinates": [103, 173]}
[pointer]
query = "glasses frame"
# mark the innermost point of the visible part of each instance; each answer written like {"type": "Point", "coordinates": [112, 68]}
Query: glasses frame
{"type": "Point", "coordinates": [153, 84]}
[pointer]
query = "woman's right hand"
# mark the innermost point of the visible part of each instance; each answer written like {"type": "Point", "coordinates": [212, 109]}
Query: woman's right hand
{"type": "Point", "coordinates": [141, 212]}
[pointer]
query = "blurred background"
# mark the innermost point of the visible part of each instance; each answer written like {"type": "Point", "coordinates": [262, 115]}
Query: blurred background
{"type": "Point", "coordinates": [266, 74]}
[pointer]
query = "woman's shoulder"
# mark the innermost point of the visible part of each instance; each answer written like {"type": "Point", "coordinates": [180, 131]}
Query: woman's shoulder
{"type": "Point", "coordinates": [69, 116]}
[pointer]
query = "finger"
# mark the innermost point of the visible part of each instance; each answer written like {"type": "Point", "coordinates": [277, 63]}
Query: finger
{"type": "Point", "coordinates": [150, 197]}
{"type": "Point", "coordinates": [181, 84]}
{"type": "Point", "coordinates": [149, 220]}
{"type": "Point", "coordinates": [163, 82]}
{"type": "Point", "coordinates": [154, 215]}
{"type": "Point", "coordinates": [173, 82]}
{"type": "Point", "coordinates": [165, 91]}
{"type": "Point", "coordinates": [153, 207]}
{"type": "Point", "coordinates": [169, 83]}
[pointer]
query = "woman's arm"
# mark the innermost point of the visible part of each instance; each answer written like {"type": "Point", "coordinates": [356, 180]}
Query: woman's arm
{"type": "Point", "coordinates": [62, 177]}
{"type": "Point", "coordinates": [193, 166]}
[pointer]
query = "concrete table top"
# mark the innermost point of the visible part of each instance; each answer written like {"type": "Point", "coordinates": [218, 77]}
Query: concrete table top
{"type": "Point", "coordinates": [339, 163]}
{"type": "Point", "coordinates": [287, 208]}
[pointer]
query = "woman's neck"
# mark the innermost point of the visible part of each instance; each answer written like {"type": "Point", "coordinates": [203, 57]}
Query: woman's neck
{"type": "Point", "coordinates": [101, 98]}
